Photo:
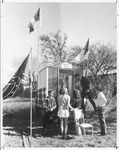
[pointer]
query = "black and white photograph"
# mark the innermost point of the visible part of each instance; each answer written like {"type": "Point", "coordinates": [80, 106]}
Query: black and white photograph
{"type": "Point", "coordinates": [59, 74]}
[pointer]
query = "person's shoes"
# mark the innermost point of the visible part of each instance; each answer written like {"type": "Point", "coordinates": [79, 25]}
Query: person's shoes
{"type": "Point", "coordinates": [103, 134]}
{"type": "Point", "coordinates": [44, 133]}
{"type": "Point", "coordinates": [95, 112]}
{"type": "Point", "coordinates": [62, 137]}
{"type": "Point", "coordinates": [65, 138]}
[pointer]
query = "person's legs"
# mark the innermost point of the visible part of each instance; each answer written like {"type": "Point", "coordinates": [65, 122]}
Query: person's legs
{"type": "Point", "coordinates": [83, 95]}
{"type": "Point", "coordinates": [61, 127]}
{"type": "Point", "coordinates": [102, 120]}
{"type": "Point", "coordinates": [74, 103]}
{"type": "Point", "coordinates": [65, 127]}
{"type": "Point", "coordinates": [88, 93]}
{"type": "Point", "coordinates": [103, 126]}
{"type": "Point", "coordinates": [46, 120]}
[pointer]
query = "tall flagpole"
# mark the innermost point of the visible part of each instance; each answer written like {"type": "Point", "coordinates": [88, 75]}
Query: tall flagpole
{"type": "Point", "coordinates": [31, 82]}
{"type": "Point", "coordinates": [38, 54]}
{"type": "Point", "coordinates": [38, 36]}
{"type": "Point", "coordinates": [30, 99]}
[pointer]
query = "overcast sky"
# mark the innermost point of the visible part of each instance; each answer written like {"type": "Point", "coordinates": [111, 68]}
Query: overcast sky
{"type": "Point", "coordinates": [78, 20]}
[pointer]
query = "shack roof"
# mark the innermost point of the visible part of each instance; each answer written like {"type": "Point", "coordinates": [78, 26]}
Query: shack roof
{"type": "Point", "coordinates": [63, 65]}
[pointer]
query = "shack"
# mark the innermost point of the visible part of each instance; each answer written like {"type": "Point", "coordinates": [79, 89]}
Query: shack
{"type": "Point", "coordinates": [51, 77]}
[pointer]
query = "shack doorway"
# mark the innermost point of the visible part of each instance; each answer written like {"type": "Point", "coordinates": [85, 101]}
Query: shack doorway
{"type": "Point", "coordinates": [66, 77]}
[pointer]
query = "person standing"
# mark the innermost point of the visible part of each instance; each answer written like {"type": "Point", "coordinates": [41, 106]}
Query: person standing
{"type": "Point", "coordinates": [85, 93]}
{"type": "Point", "coordinates": [77, 98]}
{"type": "Point", "coordinates": [49, 105]}
{"type": "Point", "coordinates": [101, 102]}
{"type": "Point", "coordinates": [63, 111]}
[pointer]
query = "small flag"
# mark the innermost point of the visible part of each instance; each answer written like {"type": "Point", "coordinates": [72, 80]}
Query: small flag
{"type": "Point", "coordinates": [20, 79]}
{"type": "Point", "coordinates": [83, 55]}
{"type": "Point", "coordinates": [32, 23]}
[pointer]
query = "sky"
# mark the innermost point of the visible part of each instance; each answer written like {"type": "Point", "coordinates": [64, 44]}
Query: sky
{"type": "Point", "coordinates": [79, 21]}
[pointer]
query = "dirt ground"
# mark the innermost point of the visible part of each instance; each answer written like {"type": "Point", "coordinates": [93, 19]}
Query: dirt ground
{"type": "Point", "coordinates": [16, 121]}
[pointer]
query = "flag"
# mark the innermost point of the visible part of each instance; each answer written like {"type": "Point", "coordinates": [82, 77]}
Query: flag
{"type": "Point", "coordinates": [35, 19]}
{"type": "Point", "coordinates": [20, 79]}
{"type": "Point", "coordinates": [83, 55]}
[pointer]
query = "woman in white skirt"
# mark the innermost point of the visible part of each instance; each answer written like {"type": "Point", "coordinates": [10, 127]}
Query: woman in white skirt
{"type": "Point", "coordinates": [63, 111]}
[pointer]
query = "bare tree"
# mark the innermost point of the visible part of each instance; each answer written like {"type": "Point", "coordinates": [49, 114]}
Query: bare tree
{"type": "Point", "coordinates": [54, 47]}
{"type": "Point", "coordinates": [102, 60]}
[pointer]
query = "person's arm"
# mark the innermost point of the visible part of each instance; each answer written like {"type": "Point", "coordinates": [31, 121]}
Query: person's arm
{"type": "Point", "coordinates": [101, 99]}
{"type": "Point", "coordinates": [44, 104]}
{"type": "Point", "coordinates": [69, 104]}
{"type": "Point", "coordinates": [74, 93]}
{"type": "Point", "coordinates": [97, 100]}
{"type": "Point", "coordinates": [54, 104]}
{"type": "Point", "coordinates": [104, 100]}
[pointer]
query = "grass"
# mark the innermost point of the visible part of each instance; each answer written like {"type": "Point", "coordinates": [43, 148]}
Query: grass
{"type": "Point", "coordinates": [16, 119]}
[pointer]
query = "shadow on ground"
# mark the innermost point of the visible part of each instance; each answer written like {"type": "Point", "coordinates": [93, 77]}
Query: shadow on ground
{"type": "Point", "coordinates": [17, 118]}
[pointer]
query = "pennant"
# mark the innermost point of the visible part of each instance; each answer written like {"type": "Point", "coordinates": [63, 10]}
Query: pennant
{"type": "Point", "coordinates": [32, 23]}
{"type": "Point", "coordinates": [18, 82]}
{"type": "Point", "coordinates": [83, 55]}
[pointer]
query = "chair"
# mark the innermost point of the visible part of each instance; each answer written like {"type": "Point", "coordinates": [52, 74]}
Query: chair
{"type": "Point", "coordinates": [80, 124]}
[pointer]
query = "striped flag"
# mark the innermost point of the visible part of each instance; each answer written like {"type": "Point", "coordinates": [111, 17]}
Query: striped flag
{"type": "Point", "coordinates": [19, 81]}
{"type": "Point", "coordinates": [33, 21]}
{"type": "Point", "coordinates": [83, 55]}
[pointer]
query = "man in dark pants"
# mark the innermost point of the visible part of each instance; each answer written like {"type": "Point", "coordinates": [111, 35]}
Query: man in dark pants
{"type": "Point", "coordinates": [86, 93]}
{"type": "Point", "coordinates": [101, 103]}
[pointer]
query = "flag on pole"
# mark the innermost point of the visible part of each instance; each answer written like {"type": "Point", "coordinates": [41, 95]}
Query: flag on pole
{"type": "Point", "coordinates": [19, 81]}
{"type": "Point", "coordinates": [33, 21]}
{"type": "Point", "coordinates": [83, 55]}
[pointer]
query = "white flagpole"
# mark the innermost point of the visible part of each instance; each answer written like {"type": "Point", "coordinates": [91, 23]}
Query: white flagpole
{"type": "Point", "coordinates": [38, 36]}
{"type": "Point", "coordinates": [30, 99]}
{"type": "Point", "coordinates": [38, 51]}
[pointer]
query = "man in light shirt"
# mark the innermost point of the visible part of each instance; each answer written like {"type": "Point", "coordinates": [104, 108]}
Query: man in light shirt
{"type": "Point", "coordinates": [101, 102]}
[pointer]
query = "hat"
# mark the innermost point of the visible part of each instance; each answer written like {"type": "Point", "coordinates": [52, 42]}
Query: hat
{"type": "Point", "coordinates": [51, 92]}
{"type": "Point", "coordinates": [99, 88]}
{"type": "Point", "coordinates": [77, 75]}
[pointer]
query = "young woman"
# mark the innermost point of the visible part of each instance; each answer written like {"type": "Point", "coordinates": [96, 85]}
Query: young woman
{"type": "Point", "coordinates": [63, 111]}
